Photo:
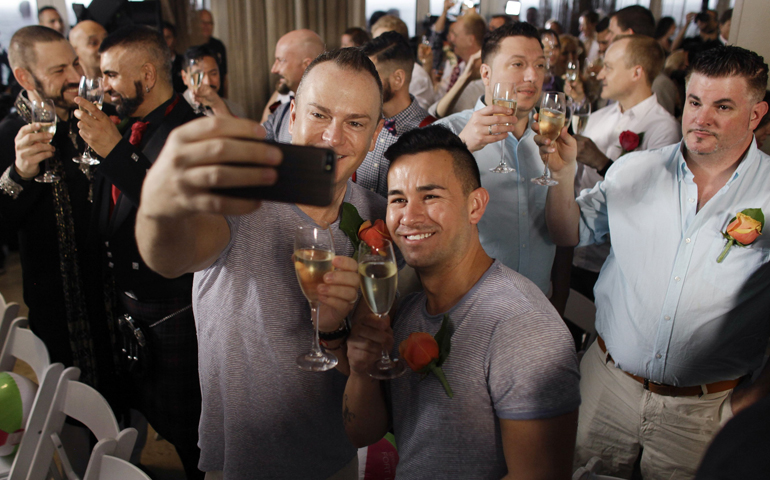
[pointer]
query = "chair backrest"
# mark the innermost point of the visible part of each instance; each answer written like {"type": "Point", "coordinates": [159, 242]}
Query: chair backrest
{"type": "Point", "coordinates": [81, 402]}
{"type": "Point", "coordinates": [24, 345]}
{"type": "Point", "coordinates": [8, 312]}
{"type": "Point", "coordinates": [113, 468]}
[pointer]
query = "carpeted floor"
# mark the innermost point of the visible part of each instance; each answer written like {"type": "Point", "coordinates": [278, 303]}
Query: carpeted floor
{"type": "Point", "coordinates": [158, 457]}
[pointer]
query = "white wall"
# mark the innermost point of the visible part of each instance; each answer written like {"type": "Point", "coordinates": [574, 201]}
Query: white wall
{"type": "Point", "coordinates": [749, 27]}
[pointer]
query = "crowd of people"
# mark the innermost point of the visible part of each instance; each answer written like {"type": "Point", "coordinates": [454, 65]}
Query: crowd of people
{"type": "Point", "coordinates": [181, 305]}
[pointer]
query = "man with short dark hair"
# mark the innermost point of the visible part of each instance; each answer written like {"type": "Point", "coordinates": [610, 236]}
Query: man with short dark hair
{"type": "Point", "coordinates": [65, 307]}
{"type": "Point", "coordinates": [515, 400]}
{"type": "Point", "coordinates": [513, 229]}
{"type": "Point", "coordinates": [354, 37]}
{"type": "Point", "coordinates": [725, 21]}
{"type": "Point", "coordinates": [587, 24]}
{"type": "Point", "coordinates": [394, 61]}
{"type": "Point", "coordinates": [202, 61]}
{"type": "Point", "coordinates": [261, 414]}
{"type": "Point", "coordinates": [177, 63]}
{"type": "Point", "coordinates": [49, 17]}
{"type": "Point", "coordinates": [639, 20]}
{"type": "Point", "coordinates": [85, 38]}
{"type": "Point", "coordinates": [163, 383]}
{"type": "Point", "coordinates": [497, 21]}
{"type": "Point", "coordinates": [660, 379]}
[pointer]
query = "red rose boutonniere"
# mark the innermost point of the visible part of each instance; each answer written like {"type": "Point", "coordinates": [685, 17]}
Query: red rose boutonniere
{"type": "Point", "coordinates": [359, 230]}
{"type": "Point", "coordinates": [425, 353]}
{"type": "Point", "coordinates": [630, 141]}
{"type": "Point", "coordinates": [743, 229]}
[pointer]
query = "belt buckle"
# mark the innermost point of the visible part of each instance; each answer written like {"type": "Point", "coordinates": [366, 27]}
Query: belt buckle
{"type": "Point", "coordinates": [647, 383]}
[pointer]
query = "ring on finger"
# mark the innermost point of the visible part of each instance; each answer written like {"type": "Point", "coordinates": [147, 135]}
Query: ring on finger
{"type": "Point", "coordinates": [490, 129]}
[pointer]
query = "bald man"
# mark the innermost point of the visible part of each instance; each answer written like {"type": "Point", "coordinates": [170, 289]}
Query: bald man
{"type": "Point", "coordinates": [293, 53]}
{"type": "Point", "coordinates": [85, 38]}
{"type": "Point", "coordinates": [49, 17]}
{"type": "Point", "coordinates": [215, 45]}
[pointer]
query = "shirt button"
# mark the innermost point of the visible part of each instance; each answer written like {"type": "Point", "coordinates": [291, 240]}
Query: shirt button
{"type": "Point", "coordinates": [110, 265]}
{"type": "Point", "coordinates": [686, 240]}
{"type": "Point", "coordinates": [691, 200]}
{"type": "Point", "coordinates": [666, 318]}
{"type": "Point", "coordinates": [523, 245]}
{"type": "Point", "coordinates": [376, 164]}
{"type": "Point", "coordinates": [657, 356]}
{"type": "Point", "coordinates": [677, 278]}
{"type": "Point", "coordinates": [107, 244]}
{"type": "Point", "coordinates": [109, 254]}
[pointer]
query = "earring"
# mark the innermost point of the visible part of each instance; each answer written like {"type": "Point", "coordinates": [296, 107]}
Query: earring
{"type": "Point", "coordinates": [147, 89]}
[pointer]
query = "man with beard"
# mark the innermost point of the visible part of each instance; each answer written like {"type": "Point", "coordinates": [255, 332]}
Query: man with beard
{"type": "Point", "coordinates": [153, 314]}
{"type": "Point", "coordinates": [52, 219]}
{"type": "Point", "coordinates": [85, 38]}
{"type": "Point", "coordinates": [206, 95]}
{"type": "Point", "coordinates": [293, 53]}
{"type": "Point", "coordinates": [394, 61]}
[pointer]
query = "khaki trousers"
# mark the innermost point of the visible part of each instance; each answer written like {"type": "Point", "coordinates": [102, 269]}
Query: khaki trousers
{"type": "Point", "coordinates": [348, 472]}
{"type": "Point", "coordinates": [618, 417]}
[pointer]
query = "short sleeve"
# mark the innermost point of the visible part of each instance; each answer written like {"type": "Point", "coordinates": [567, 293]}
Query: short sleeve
{"type": "Point", "coordinates": [533, 370]}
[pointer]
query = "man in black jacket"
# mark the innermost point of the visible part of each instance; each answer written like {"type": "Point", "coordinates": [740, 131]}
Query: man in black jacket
{"type": "Point", "coordinates": [65, 304]}
{"type": "Point", "coordinates": [157, 338]}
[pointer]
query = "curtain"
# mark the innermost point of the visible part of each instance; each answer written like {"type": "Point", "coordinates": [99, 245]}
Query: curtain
{"type": "Point", "coordinates": [181, 14]}
{"type": "Point", "coordinates": [251, 28]}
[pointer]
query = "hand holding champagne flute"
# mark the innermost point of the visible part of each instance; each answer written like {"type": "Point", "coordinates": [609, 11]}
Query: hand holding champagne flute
{"type": "Point", "coordinates": [378, 272]}
{"type": "Point", "coordinates": [313, 256]}
{"type": "Point", "coordinates": [504, 95]}
{"type": "Point", "coordinates": [90, 89]}
{"type": "Point", "coordinates": [552, 118]}
{"type": "Point", "coordinates": [196, 77]}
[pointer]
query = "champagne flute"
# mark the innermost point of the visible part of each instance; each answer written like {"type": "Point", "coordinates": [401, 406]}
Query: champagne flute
{"type": "Point", "coordinates": [378, 273]}
{"type": "Point", "coordinates": [44, 113]}
{"type": "Point", "coordinates": [504, 96]}
{"type": "Point", "coordinates": [196, 77]}
{"type": "Point", "coordinates": [573, 68]}
{"type": "Point", "coordinates": [90, 89]}
{"type": "Point", "coordinates": [313, 255]}
{"type": "Point", "coordinates": [553, 116]}
{"type": "Point", "coordinates": [580, 113]}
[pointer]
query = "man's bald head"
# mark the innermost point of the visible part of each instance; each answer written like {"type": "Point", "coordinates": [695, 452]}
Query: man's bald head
{"type": "Point", "coordinates": [293, 53]}
{"type": "Point", "coordinates": [86, 37]}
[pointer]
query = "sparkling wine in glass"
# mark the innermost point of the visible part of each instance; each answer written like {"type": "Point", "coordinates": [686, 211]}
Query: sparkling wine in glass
{"type": "Point", "coordinates": [378, 273]}
{"type": "Point", "coordinates": [196, 77]}
{"type": "Point", "coordinates": [90, 89]}
{"type": "Point", "coordinates": [580, 113]}
{"type": "Point", "coordinates": [504, 95]}
{"type": "Point", "coordinates": [553, 117]}
{"type": "Point", "coordinates": [44, 113]}
{"type": "Point", "coordinates": [313, 255]}
{"type": "Point", "coordinates": [573, 68]}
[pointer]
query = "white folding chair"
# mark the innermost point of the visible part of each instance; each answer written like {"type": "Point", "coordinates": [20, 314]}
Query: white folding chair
{"type": "Point", "coordinates": [589, 471]}
{"type": "Point", "coordinates": [114, 468]}
{"type": "Point", "coordinates": [24, 345]}
{"type": "Point", "coordinates": [8, 312]}
{"type": "Point", "coordinates": [81, 402]}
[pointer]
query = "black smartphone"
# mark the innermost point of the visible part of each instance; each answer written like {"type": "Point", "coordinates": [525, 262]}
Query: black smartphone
{"type": "Point", "coordinates": [306, 176]}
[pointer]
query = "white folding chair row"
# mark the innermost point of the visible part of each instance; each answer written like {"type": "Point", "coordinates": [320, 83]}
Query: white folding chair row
{"type": "Point", "coordinates": [21, 343]}
{"type": "Point", "coordinates": [8, 312]}
{"type": "Point", "coordinates": [589, 471]}
{"type": "Point", "coordinates": [80, 402]}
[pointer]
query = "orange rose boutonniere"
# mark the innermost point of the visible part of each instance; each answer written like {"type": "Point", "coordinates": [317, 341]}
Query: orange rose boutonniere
{"type": "Point", "coordinates": [743, 229]}
{"type": "Point", "coordinates": [425, 353]}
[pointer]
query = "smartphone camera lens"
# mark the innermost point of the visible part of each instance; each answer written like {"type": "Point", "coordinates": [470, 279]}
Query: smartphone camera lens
{"type": "Point", "coordinates": [329, 165]}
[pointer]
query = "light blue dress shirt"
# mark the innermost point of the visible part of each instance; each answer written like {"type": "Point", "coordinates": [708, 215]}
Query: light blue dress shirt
{"type": "Point", "coordinates": [665, 308]}
{"type": "Point", "coordinates": [513, 228]}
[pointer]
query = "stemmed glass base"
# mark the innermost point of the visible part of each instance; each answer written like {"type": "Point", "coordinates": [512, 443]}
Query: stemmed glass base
{"type": "Point", "coordinates": [317, 361]}
{"type": "Point", "coordinates": [387, 369]}
{"type": "Point", "coordinates": [47, 177]}
{"type": "Point", "coordinates": [502, 169]}
{"type": "Point", "coordinates": [545, 181]}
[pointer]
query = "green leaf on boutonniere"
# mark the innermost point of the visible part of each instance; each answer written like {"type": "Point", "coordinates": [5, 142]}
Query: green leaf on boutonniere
{"type": "Point", "coordinates": [444, 340]}
{"type": "Point", "coordinates": [350, 222]}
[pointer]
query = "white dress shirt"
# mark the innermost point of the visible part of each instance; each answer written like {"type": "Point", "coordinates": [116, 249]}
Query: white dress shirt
{"type": "Point", "coordinates": [604, 128]}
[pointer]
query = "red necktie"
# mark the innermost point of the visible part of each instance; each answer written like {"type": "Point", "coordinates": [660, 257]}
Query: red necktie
{"type": "Point", "coordinates": [454, 77]}
{"type": "Point", "coordinates": [137, 130]}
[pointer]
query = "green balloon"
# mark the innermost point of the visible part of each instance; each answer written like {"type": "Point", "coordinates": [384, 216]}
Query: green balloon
{"type": "Point", "coordinates": [11, 410]}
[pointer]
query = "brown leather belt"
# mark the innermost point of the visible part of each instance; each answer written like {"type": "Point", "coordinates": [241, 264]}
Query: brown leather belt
{"type": "Point", "coordinates": [670, 390]}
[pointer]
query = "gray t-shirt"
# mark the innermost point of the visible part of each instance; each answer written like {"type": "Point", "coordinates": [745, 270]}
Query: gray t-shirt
{"type": "Point", "coordinates": [263, 417]}
{"type": "Point", "coordinates": [511, 357]}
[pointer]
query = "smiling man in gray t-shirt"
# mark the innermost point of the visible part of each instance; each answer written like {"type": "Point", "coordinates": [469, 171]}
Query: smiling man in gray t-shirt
{"type": "Point", "coordinates": [512, 364]}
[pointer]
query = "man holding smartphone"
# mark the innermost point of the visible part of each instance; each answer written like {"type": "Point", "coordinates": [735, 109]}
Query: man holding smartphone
{"type": "Point", "coordinates": [261, 413]}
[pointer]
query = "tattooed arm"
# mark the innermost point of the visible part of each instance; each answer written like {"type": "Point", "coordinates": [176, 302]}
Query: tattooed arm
{"type": "Point", "coordinates": [363, 406]}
